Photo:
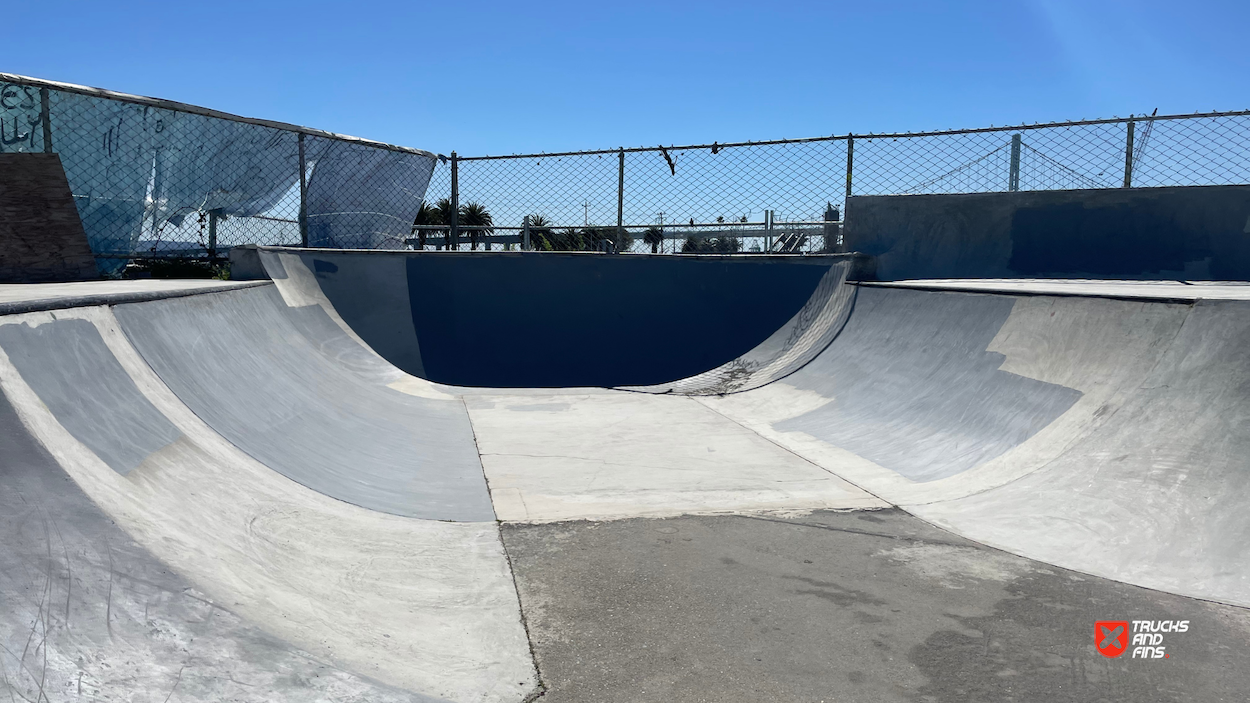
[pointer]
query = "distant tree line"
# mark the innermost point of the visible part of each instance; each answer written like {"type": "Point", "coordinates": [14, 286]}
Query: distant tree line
{"type": "Point", "coordinates": [476, 221]}
{"type": "Point", "coordinates": [544, 237]}
{"type": "Point", "coordinates": [471, 214]}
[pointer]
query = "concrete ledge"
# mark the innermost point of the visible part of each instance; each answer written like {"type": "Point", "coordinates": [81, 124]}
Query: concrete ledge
{"type": "Point", "coordinates": [1158, 291]}
{"type": "Point", "coordinates": [20, 298]}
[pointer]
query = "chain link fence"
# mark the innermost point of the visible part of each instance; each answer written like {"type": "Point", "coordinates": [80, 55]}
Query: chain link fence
{"type": "Point", "coordinates": [156, 179]}
{"type": "Point", "coordinates": [788, 195]}
{"type": "Point", "coordinates": [153, 178]}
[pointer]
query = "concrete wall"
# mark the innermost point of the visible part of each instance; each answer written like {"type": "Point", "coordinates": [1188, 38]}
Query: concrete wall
{"type": "Point", "coordinates": [1188, 233]}
{"type": "Point", "coordinates": [41, 237]}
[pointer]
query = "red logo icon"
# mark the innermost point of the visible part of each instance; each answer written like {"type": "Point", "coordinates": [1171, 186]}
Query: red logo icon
{"type": "Point", "coordinates": [1111, 637]}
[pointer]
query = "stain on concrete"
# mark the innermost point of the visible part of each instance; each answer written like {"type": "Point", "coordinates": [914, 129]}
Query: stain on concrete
{"type": "Point", "coordinates": [737, 608]}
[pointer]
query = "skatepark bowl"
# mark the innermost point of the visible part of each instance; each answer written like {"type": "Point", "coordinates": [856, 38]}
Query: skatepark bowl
{"type": "Point", "coordinates": [508, 476]}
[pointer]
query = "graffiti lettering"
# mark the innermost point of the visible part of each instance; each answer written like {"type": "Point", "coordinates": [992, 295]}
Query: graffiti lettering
{"type": "Point", "coordinates": [11, 97]}
{"type": "Point", "coordinates": [18, 136]}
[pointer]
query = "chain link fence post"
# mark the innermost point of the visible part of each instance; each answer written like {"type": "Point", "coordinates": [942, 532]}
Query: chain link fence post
{"type": "Point", "coordinates": [1013, 173]}
{"type": "Point", "coordinates": [212, 234]}
{"type": "Point", "coordinates": [303, 196]}
{"type": "Point", "coordinates": [850, 164]}
{"type": "Point", "coordinates": [620, 188]}
{"type": "Point", "coordinates": [453, 235]}
{"type": "Point", "coordinates": [1128, 154]}
{"type": "Point", "coordinates": [45, 116]}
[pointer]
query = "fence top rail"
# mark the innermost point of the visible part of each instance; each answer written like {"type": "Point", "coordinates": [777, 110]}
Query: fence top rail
{"type": "Point", "coordinates": [11, 78]}
{"type": "Point", "coordinates": [715, 227]}
{"type": "Point", "coordinates": [870, 135]}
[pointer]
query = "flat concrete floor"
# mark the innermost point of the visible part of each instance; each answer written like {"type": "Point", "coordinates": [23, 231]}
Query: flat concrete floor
{"type": "Point", "coordinates": [842, 606]}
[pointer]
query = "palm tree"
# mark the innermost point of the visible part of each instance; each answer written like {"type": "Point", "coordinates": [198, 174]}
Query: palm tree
{"type": "Point", "coordinates": [429, 215]}
{"type": "Point", "coordinates": [655, 237]}
{"type": "Point", "coordinates": [540, 233]}
{"type": "Point", "coordinates": [568, 239]}
{"type": "Point", "coordinates": [475, 215]}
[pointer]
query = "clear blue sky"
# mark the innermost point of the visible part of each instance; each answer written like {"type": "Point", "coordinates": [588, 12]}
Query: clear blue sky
{"type": "Point", "coordinates": [495, 77]}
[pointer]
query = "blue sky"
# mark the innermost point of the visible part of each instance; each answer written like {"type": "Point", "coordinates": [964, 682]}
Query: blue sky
{"type": "Point", "coordinates": [492, 77]}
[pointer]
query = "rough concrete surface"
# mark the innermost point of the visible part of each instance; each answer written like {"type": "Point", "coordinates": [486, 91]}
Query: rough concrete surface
{"type": "Point", "coordinates": [88, 614]}
{"type": "Point", "coordinates": [842, 606]}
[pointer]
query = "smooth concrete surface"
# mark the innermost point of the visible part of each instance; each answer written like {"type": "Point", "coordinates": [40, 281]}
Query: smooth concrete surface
{"type": "Point", "coordinates": [787, 350]}
{"type": "Point", "coordinates": [371, 291]}
{"type": "Point", "coordinates": [1156, 494]}
{"type": "Point", "coordinates": [867, 607]}
{"type": "Point", "coordinates": [916, 389]}
{"type": "Point", "coordinates": [426, 607]}
{"type": "Point", "coordinates": [542, 319]}
{"type": "Point", "coordinates": [236, 361]}
{"type": "Point", "coordinates": [69, 367]}
{"type": "Point", "coordinates": [610, 456]}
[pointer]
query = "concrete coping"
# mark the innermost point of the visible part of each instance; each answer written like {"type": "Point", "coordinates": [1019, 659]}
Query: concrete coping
{"type": "Point", "coordinates": [1163, 291]}
{"type": "Point", "coordinates": [34, 297]}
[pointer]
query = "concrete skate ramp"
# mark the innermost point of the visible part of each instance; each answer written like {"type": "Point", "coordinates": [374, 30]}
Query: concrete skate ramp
{"type": "Point", "coordinates": [522, 319]}
{"type": "Point", "coordinates": [314, 499]}
{"type": "Point", "coordinates": [282, 592]}
{"type": "Point", "coordinates": [1102, 435]}
{"type": "Point", "coordinates": [785, 351]}
{"type": "Point", "coordinates": [958, 406]}
{"type": "Point", "coordinates": [254, 377]}
{"type": "Point", "coordinates": [90, 613]}
{"type": "Point", "coordinates": [68, 365]}
{"type": "Point", "coordinates": [917, 389]}
{"type": "Point", "coordinates": [1155, 491]}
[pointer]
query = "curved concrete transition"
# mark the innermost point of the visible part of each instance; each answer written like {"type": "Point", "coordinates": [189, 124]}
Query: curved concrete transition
{"type": "Point", "coordinates": [238, 494]}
